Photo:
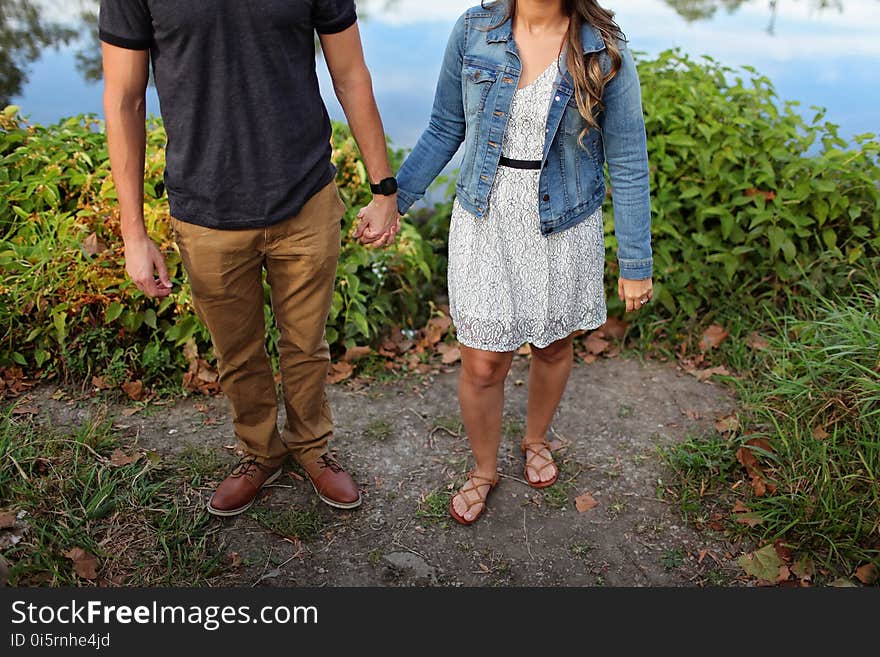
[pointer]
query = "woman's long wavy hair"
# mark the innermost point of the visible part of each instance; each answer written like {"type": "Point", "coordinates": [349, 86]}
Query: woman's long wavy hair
{"type": "Point", "coordinates": [586, 70]}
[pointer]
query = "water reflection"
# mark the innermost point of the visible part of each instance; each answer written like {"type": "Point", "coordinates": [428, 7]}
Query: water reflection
{"type": "Point", "coordinates": [27, 27]}
{"type": "Point", "coordinates": [697, 10]}
{"type": "Point", "coordinates": [24, 33]}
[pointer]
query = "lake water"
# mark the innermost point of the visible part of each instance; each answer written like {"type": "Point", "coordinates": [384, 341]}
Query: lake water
{"type": "Point", "coordinates": [820, 52]}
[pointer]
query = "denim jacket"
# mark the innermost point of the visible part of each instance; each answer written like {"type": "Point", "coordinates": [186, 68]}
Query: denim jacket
{"type": "Point", "coordinates": [481, 71]}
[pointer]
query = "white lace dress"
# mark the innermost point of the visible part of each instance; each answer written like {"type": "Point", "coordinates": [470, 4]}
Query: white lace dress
{"type": "Point", "coordinates": [508, 283]}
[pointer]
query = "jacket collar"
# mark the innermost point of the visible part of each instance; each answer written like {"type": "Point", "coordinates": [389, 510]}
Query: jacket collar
{"type": "Point", "coordinates": [591, 39]}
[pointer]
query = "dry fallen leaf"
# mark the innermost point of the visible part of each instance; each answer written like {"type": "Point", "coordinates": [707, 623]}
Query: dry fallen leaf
{"type": "Point", "coordinates": [585, 502]}
{"type": "Point", "coordinates": [353, 354]}
{"type": "Point", "coordinates": [727, 424]}
{"type": "Point", "coordinates": [759, 486]}
{"type": "Point", "coordinates": [589, 359]}
{"type": "Point", "coordinates": [705, 375]}
{"type": "Point", "coordinates": [206, 373]}
{"type": "Point", "coordinates": [121, 459]}
{"type": "Point", "coordinates": [596, 345]}
{"type": "Point", "coordinates": [784, 574]}
{"type": "Point", "coordinates": [783, 550]}
{"type": "Point", "coordinates": [749, 461]}
{"type": "Point", "coordinates": [819, 433]}
{"type": "Point", "coordinates": [25, 410]}
{"type": "Point", "coordinates": [7, 519]}
{"type": "Point", "coordinates": [745, 516]}
{"type": "Point", "coordinates": [867, 574]}
{"type": "Point", "coordinates": [804, 568]}
{"type": "Point", "coordinates": [613, 328]}
{"type": "Point", "coordinates": [92, 245]}
{"type": "Point", "coordinates": [85, 564]}
{"type": "Point", "coordinates": [100, 383]}
{"type": "Point", "coordinates": [691, 414]}
{"type": "Point", "coordinates": [339, 372]}
{"type": "Point", "coordinates": [450, 353]}
{"type": "Point", "coordinates": [435, 329]}
{"type": "Point", "coordinates": [235, 560]}
{"type": "Point", "coordinates": [713, 336]}
{"type": "Point", "coordinates": [134, 390]}
{"type": "Point", "coordinates": [756, 342]}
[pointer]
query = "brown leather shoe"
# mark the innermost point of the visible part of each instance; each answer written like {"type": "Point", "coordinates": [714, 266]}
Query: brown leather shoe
{"type": "Point", "coordinates": [333, 484]}
{"type": "Point", "coordinates": [238, 491]}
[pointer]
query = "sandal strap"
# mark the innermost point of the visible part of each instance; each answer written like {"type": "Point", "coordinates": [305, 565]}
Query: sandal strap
{"type": "Point", "coordinates": [471, 486]}
{"type": "Point", "coordinates": [533, 449]}
{"type": "Point", "coordinates": [535, 446]}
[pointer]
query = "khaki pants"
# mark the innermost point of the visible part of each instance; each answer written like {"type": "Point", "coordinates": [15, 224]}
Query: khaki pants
{"type": "Point", "coordinates": [225, 269]}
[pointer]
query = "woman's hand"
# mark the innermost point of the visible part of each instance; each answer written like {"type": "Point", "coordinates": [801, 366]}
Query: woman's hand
{"type": "Point", "coordinates": [379, 222]}
{"type": "Point", "coordinates": [635, 293]}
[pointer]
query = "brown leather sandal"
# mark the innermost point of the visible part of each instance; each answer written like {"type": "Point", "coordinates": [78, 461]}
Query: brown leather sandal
{"type": "Point", "coordinates": [471, 486]}
{"type": "Point", "coordinates": [532, 450]}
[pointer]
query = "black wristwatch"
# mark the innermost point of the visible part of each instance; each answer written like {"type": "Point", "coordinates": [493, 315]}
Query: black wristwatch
{"type": "Point", "coordinates": [385, 187]}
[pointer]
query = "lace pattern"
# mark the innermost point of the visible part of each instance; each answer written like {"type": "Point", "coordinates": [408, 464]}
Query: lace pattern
{"type": "Point", "coordinates": [509, 284]}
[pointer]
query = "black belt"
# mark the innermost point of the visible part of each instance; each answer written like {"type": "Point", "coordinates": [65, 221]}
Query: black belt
{"type": "Point", "coordinates": [520, 164]}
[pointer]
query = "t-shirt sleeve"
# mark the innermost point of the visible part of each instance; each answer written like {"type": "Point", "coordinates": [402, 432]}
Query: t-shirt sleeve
{"type": "Point", "coordinates": [126, 23]}
{"type": "Point", "coordinates": [333, 16]}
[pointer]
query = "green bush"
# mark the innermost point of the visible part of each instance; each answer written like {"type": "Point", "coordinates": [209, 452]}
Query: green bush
{"type": "Point", "coordinates": [66, 306]}
{"type": "Point", "coordinates": [748, 197]}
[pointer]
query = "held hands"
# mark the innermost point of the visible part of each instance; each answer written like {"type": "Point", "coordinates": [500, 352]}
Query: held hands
{"type": "Point", "coordinates": [144, 262]}
{"type": "Point", "coordinates": [379, 222]}
{"type": "Point", "coordinates": [635, 293]}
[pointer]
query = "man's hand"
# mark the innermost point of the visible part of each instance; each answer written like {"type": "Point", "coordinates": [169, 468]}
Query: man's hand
{"type": "Point", "coordinates": [635, 293]}
{"type": "Point", "coordinates": [379, 222]}
{"type": "Point", "coordinates": [144, 263]}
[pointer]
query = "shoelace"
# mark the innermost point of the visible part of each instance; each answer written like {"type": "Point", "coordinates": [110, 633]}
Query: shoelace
{"type": "Point", "coordinates": [246, 464]}
{"type": "Point", "coordinates": [330, 462]}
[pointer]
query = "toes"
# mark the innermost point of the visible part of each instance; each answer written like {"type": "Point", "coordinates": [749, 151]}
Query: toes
{"type": "Point", "coordinates": [474, 512]}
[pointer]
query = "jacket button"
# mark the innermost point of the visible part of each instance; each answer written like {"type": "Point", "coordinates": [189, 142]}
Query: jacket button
{"type": "Point", "coordinates": [546, 197]}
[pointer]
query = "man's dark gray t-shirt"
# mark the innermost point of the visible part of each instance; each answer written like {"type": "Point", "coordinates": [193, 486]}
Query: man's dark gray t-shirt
{"type": "Point", "coordinates": [248, 133]}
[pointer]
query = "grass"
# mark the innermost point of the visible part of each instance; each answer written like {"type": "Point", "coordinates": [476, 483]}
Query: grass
{"type": "Point", "coordinates": [814, 396]}
{"type": "Point", "coordinates": [303, 524]}
{"type": "Point", "coordinates": [435, 508]}
{"type": "Point", "coordinates": [672, 559]}
{"type": "Point", "coordinates": [378, 431]}
{"type": "Point", "coordinates": [144, 522]}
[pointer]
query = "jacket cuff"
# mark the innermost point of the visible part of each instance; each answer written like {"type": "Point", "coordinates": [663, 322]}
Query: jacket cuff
{"type": "Point", "coordinates": [636, 270]}
{"type": "Point", "coordinates": [405, 200]}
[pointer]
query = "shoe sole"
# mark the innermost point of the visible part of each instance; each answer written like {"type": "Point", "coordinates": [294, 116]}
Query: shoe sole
{"type": "Point", "coordinates": [227, 513]}
{"type": "Point", "coordinates": [334, 503]}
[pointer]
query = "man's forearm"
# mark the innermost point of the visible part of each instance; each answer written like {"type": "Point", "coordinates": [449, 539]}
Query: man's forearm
{"type": "Point", "coordinates": [126, 142]}
{"type": "Point", "coordinates": [359, 105]}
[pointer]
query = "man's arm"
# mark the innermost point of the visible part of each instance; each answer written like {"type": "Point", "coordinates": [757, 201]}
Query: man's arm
{"type": "Point", "coordinates": [126, 73]}
{"type": "Point", "coordinates": [354, 89]}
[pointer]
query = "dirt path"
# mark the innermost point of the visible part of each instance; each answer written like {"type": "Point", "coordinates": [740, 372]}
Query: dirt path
{"type": "Point", "coordinates": [405, 446]}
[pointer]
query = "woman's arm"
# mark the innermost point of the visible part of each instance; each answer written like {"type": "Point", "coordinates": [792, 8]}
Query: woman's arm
{"type": "Point", "coordinates": [626, 151]}
{"type": "Point", "coordinates": [445, 131]}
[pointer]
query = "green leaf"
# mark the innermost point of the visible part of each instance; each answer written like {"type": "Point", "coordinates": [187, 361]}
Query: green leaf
{"type": "Point", "coordinates": [829, 237]}
{"type": "Point", "coordinates": [763, 564]}
{"type": "Point", "coordinates": [777, 237]}
{"type": "Point", "coordinates": [114, 310]}
{"type": "Point", "coordinates": [150, 318]}
{"type": "Point", "coordinates": [361, 322]}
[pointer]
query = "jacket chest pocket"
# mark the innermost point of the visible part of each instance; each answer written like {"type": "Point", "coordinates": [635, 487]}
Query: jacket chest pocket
{"type": "Point", "coordinates": [478, 82]}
